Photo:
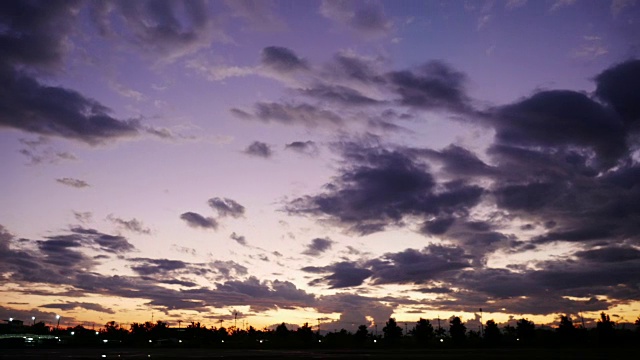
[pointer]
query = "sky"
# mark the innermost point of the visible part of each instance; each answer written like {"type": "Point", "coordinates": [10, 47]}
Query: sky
{"type": "Point", "coordinates": [330, 162]}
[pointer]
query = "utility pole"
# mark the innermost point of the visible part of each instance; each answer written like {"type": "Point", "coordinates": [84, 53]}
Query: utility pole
{"type": "Point", "coordinates": [481, 325]}
{"type": "Point", "coordinates": [235, 320]}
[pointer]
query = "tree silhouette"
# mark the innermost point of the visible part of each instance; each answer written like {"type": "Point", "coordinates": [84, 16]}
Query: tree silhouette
{"type": "Point", "coordinates": [492, 334]}
{"type": "Point", "coordinates": [113, 331]}
{"type": "Point", "coordinates": [392, 332]}
{"type": "Point", "coordinates": [566, 331]}
{"type": "Point", "coordinates": [423, 332]}
{"type": "Point", "coordinates": [361, 335]}
{"type": "Point", "coordinates": [605, 329]}
{"type": "Point", "coordinates": [457, 330]}
{"type": "Point", "coordinates": [304, 334]}
{"type": "Point", "coordinates": [525, 331]}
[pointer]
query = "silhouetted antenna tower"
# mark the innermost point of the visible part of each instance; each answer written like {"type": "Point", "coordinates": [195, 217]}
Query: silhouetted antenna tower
{"type": "Point", "coordinates": [235, 319]}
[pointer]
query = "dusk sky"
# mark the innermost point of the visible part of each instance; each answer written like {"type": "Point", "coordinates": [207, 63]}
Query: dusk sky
{"type": "Point", "coordinates": [300, 160]}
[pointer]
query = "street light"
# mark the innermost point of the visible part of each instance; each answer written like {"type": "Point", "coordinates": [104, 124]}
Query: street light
{"type": "Point", "coordinates": [58, 318]}
{"type": "Point", "coordinates": [33, 318]}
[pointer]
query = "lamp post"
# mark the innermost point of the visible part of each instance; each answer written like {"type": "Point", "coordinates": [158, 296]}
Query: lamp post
{"type": "Point", "coordinates": [58, 325]}
{"type": "Point", "coordinates": [33, 319]}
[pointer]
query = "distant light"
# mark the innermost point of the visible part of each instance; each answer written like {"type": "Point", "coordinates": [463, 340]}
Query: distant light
{"type": "Point", "coordinates": [57, 316]}
{"type": "Point", "coordinates": [29, 339]}
{"type": "Point", "coordinates": [179, 341]}
{"type": "Point", "coordinates": [103, 355]}
{"type": "Point", "coordinates": [33, 318]}
{"type": "Point", "coordinates": [10, 319]}
{"type": "Point", "coordinates": [105, 341]}
{"type": "Point", "coordinates": [97, 333]}
{"type": "Point", "coordinates": [518, 339]}
{"type": "Point", "coordinates": [375, 341]}
{"type": "Point", "coordinates": [260, 341]}
{"type": "Point", "coordinates": [73, 333]}
{"type": "Point", "coordinates": [441, 340]}
{"type": "Point", "coordinates": [149, 340]}
{"type": "Point", "coordinates": [222, 340]}
{"type": "Point", "coordinates": [319, 341]}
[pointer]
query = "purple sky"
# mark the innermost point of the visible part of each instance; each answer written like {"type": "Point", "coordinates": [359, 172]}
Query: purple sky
{"type": "Point", "coordinates": [296, 160]}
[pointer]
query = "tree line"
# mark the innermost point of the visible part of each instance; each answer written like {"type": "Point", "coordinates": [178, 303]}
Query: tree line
{"type": "Point", "coordinates": [422, 334]}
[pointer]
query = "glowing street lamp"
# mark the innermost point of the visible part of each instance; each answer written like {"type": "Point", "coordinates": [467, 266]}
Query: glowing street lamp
{"type": "Point", "coordinates": [33, 318]}
{"type": "Point", "coordinates": [58, 318]}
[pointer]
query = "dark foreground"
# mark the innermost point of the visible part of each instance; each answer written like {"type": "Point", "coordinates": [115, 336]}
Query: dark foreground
{"type": "Point", "coordinates": [436, 354]}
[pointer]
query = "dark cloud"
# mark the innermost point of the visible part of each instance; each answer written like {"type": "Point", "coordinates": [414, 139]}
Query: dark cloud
{"type": "Point", "coordinates": [39, 151]}
{"type": "Point", "coordinates": [410, 266]}
{"type": "Point", "coordinates": [610, 254]}
{"type": "Point", "coordinates": [157, 266]}
{"type": "Point", "coordinates": [83, 216]}
{"type": "Point", "coordinates": [338, 94]}
{"type": "Point", "coordinates": [619, 87]}
{"type": "Point", "coordinates": [35, 39]}
{"type": "Point", "coordinates": [438, 226]}
{"type": "Point", "coordinates": [76, 183]}
{"type": "Point", "coordinates": [417, 267]}
{"type": "Point", "coordinates": [239, 239]}
{"type": "Point", "coordinates": [293, 114]}
{"type": "Point", "coordinates": [341, 275]}
{"type": "Point", "coordinates": [167, 29]}
{"type": "Point", "coordinates": [133, 225]}
{"type": "Point", "coordinates": [303, 147]}
{"type": "Point", "coordinates": [354, 68]}
{"type": "Point", "coordinates": [458, 161]}
{"type": "Point", "coordinates": [259, 149]}
{"type": "Point", "coordinates": [318, 246]}
{"type": "Point", "coordinates": [106, 242]}
{"type": "Point", "coordinates": [196, 220]}
{"type": "Point", "coordinates": [282, 60]}
{"type": "Point", "coordinates": [226, 207]}
{"type": "Point", "coordinates": [529, 197]}
{"type": "Point", "coordinates": [59, 261]}
{"type": "Point", "coordinates": [268, 294]}
{"type": "Point", "coordinates": [34, 32]}
{"type": "Point", "coordinates": [68, 306]}
{"type": "Point", "coordinates": [48, 110]}
{"type": "Point", "coordinates": [574, 235]}
{"type": "Point", "coordinates": [435, 85]}
{"type": "Point", "coordinates": [378, 187]}
{"type": "Point", "coordinates": [562, 119]}
{"type": "Point", "coordinates": [366, 18]}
